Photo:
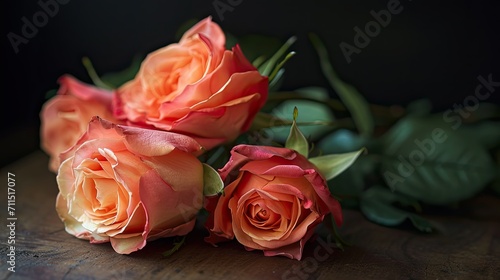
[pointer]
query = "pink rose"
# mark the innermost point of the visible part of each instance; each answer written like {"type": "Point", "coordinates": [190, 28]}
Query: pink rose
{"type": "Point", "coordinates": [273, 200]}
{"type": "Point", "coordinates": [65, 117]}
{"type": "Point", "coordinates": [195, 87]}
{"type": "Point", "coordinates": [129, 185]}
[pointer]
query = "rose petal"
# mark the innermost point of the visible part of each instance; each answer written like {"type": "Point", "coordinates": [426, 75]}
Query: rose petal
{"type": "Point", "coordinates": [222, 217]}
{"type": "Point", "coordinates": [231, 80]}
{"type": "Point", "coordinates": [166, 208]}
{"type": "Point", "coordinates": [209, 30]}
{"type": "Point", "coordinates": [324, 193]}
{"type": "Point", "coordinates": [128, 245]}
{"type": "Point", "coordinates": [176, 231]}
{"type": "Point", "coordinates": [156, 143]}
{"type": "Point", "coordinates": [133, 226]}
{"type": "Point", "coordinates": [178, 169]}
{"type": "Point", "coordinates": [242, 154]}
{"type": "Point", "coordinates": [83, 91]}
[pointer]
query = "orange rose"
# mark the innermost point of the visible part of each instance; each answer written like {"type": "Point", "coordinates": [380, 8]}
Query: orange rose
{"type": "Point", "coordinates": [196, 88]}
{"type": "Point", "coordinates": [65, 117]}
{"type": "Point", "coordinates": [128, 185]}
{"type": "Point", "coordinates": [274, 204]}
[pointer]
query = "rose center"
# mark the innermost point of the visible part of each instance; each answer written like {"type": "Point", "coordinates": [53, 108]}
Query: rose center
{"type": "Point", "coordinates": [101, 194]}
{"type": "Point", "coordinates": [262, 215]}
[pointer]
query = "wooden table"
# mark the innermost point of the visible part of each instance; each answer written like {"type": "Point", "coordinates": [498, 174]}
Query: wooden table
{"type": "Point", "coordinates": [467, 246]}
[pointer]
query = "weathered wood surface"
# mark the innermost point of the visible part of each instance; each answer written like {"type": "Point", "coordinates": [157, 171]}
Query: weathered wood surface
{"type": "Point", "coordinates": [466, 247]}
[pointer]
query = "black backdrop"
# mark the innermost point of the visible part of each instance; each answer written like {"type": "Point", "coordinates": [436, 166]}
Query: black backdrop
{"type": "Point", "coordinates": [433, 49]}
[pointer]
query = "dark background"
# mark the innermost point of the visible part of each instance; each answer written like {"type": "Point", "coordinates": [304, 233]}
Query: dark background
{"type": "Point", "coordinates": [433, 49]}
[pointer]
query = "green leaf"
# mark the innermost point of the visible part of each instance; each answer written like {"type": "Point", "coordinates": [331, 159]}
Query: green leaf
{"type": "Point", "coordinates": [311, 121]}
{"type": "Point", "coordinates": [332, 165]}
{"type": "Point", "coordinates": [341, 141]}
{"type": "Point", "coordinates": [376, 205]}
{"type": "Point", "coordinates": [316, 93]}
{"type": "Point", "coordinates": [280, 66]}
{"type": "Point", "coordinates": [426, 160]}
{"type": "Point", "coordinates": [264, 120]}
{"type": "Point", "coordinates": [212, 182]}
{"type": "Point", "coordinates": [177, 246]}
{"type": "Point", "coordinates": [117, 79]}
{"type": "Point", "coordinates": [258, 61]}
{"type": "Point", "coordinates": [487, 133]}
{"type": "Point", "coordinates": [267, 68]}
{"type": "Point", "coordinates": [296, 140]}
{"type": "Point", "coordinates": [218, 156]}
{"type": "Point", "coordinates": [275, 83]}
{"type": "Point", "coordinates": [255, 46]}
{"type": "Point", "coordinates": [349, 185]}
{"type": "Point", "coordinates": [485, 111]}
{"type": "Point", "coordinates": [353, 100]}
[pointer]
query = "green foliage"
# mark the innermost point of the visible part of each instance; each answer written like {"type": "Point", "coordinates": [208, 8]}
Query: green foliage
{"type": "Point", "coordinates": [212, 183]}
{"type": "Point", "coordinates": [353, 100]}
{"type": "Point", "coordinates": [296, 140]}
{"type": "Point", "coordinates": [377, 205]}
{"type": "Point", "coordinates": [421, 158]}
{"type": "Point", "coordinates": [177, 245]}
{"type": "Point", "coordinates": [350, 184]}
{"type": "Point", "coordinates": [316, 93]}
{"type": "Point", "coordinates": [312, 121]}
{"type": "Point", "coordinates": [426, 160]}
{"type": "Point", "coordinates": [255, 46]}
{"type": "Point", "coordinates": [487, 133]}
{"type": "Point", "coordinates": [332, 165]}
{"type": "Point", "coordinates": [274, 62]}
{"type": "Point", "coordinates": [340, 141]}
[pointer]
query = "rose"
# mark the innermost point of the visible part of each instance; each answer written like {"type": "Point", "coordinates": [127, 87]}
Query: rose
{"type": "Point", "coordinates": [129, 185]}
{"type": "Point", "coordinates": [274, 204]}
{"type": "Point", "coordinates": [194, 87]}
{"type": "Point", "coordinates": [64, 118]}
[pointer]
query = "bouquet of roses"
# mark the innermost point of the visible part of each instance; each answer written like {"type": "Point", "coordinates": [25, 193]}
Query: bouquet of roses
{"type": "Point", "coordinates": [139, 161]}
